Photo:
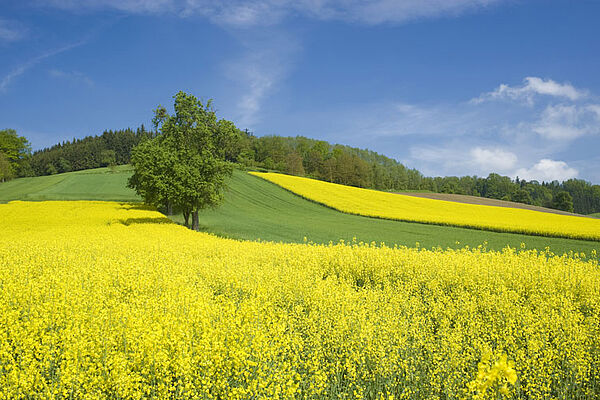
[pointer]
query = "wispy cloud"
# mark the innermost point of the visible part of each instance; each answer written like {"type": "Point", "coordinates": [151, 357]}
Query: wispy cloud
{"type": "Point", "coordinates": [239, 14]}
{"type": "Point", "coordinates": [129, 6]}
{"type": "Point", "coordinates": [21, 69]}
{"type": "Point", "coordinates": [266, 62]}
{"type": "Point", "coordinates": [390, 11]}
{"type": "Point", "coordinates": [72, 76]}
{"type": "Point", "coordinates": [268, 12]}
{"type": "Point", "coordinates": [463, 138]}
{"type": "Point", "coordinates": [386, 120]}
{"type": "Point", "coordinates": [11, 31]}
{"type": "Point", "coordinates": [568, 121]}
{"type": "Point", "coordinates": [531, 87]}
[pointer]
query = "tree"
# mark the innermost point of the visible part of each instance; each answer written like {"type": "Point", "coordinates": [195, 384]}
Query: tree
{"type": "Point", "coordinates": [153, 177]}
{"type": "Point", "coordinates": [294, 164]}
{"type": "Point", "coordinates": [17, 151]}
{"type": "Point", "coordinates": [64, 165]}
{"type": "Point", "coordinates": [51, 169]}
{"type": "Point", "coordinates": [563, 201]}
{"type": "Point", "coordinates": [497, 187]}
{"type": "Point", "coordinates": [108, 158]}
{"type": "Point", "coordinates": [522, 196]}
{"type": "Point", "coordinates": [184, 166]}
{"type": "Point", "coordinates": [6, 169]}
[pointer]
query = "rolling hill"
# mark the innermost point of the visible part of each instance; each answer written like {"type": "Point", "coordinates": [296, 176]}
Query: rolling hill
{"type": "Point", "coordinates": [91, 184]}
{"type": "Point", "coordinates": [409, 208]}
{"type": "Point", "coordinates": [484, 201]}
{"type": "Point", "coordinates": [257, 209]}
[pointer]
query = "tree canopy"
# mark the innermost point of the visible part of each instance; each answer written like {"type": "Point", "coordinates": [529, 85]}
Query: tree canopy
{"type": "Point", "coordinates": [15, 153]}
{"type": "Point", "coordinates": [184, 166]}
{"type": "Point", "coordinates": [563, 201]}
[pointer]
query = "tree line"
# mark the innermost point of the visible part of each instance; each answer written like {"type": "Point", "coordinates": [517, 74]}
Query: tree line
{"type": "Point", "coordinates": [297, 156]}
{"type": "Point", "coordinates": [110, 148]}
{"type": "Point", "coordinates": [364, 168]}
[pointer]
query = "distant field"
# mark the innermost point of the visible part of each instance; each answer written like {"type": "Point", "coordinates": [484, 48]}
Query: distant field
{"type": "Point", "coordinates": [409, 208]}
{"type": "Point", "coordinates": [595, 215]}
{"type": "Point", "coordinates": [93, 184]}
{"type": "Point", "coordinates": [484, 201]}
{"type": "Point", "coordinates": [257, 209]}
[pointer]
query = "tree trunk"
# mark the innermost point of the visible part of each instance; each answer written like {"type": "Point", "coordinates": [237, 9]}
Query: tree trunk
{"type": "Point", "coordinates": [169, 208]}
{"type": "Point", "coordinates": [195, 222]}
{"type": "Point", "coordinates": [186, 217]}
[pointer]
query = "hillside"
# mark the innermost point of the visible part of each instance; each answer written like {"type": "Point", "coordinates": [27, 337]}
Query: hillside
{"type": "Point", "coordinates": [256, 209]}
{"type": "Point", "coordinates": [317, 159]}
{"type": "Point", "coordinates": [484, 201]}
{"type": "Point", "coordinates": [393, 206]}
{"type": "Point", "coordinates": [93, 184]}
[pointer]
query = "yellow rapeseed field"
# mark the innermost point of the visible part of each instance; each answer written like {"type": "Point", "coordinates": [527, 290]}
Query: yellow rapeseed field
{"type": "Point", "coordinates": [104, 300]}
{"type": "Point", "coordinates": [373, 203]}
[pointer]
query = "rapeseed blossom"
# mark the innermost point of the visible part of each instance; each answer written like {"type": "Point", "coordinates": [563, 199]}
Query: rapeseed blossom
{"type": "Point", "coordinates": [106, 300]}
{"type": "Point", "coordinates": [373, 203]}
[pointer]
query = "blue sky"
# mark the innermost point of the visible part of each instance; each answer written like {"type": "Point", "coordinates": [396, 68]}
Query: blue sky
{"type": "Point", "coordinates": [452, 87]}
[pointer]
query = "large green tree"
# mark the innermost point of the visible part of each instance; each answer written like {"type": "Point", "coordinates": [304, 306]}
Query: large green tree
{"type": "Point", "coordinates": [153, 178]}
{"type": "Point", "coordinates": [16, 153]}
{"type": "Point", "coordinates": [184, 166]}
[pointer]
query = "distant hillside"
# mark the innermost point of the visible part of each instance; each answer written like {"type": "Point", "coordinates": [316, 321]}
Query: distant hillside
{"type": "Point", "coordinates": [95, 184]}
{"type": "Point", "coordinates": [410, 208]}
{"type": "Point", "coordinates": [461, 198]}
{"type": "Point", "coordinates": [254, 209]}
{"type": "Point", "coordinates": [325, 161]}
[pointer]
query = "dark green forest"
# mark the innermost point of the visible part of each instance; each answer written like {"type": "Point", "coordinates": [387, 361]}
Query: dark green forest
{"type": "Point", "coordinates": [298, 156]}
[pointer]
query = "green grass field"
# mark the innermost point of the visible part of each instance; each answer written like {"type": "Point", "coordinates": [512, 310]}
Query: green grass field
{"type": "Point", "coordinates": [93, 184]}
{"type": "Point", "coordinates": [595, 215]}
{"type": "Point", "coordinates": [257, 209]}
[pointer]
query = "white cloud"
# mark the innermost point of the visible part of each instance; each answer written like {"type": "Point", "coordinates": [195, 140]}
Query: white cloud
{"type": "Point", "coordinates": [494, 159]}
{"type": "Point", "coordinates": [10, 31]}
{"type": "Point", "coordinates": [267, 12]}
{"type": "Point", "coordinates": [567, 122]}
{"type": "Point", "coordinates": [532, 86]}
{"type": "Point", "coordinates": [21, 69]}
{"type": "Point", "coordinates": [547, 170]}
{"type": "Point", "coordinates": [72, 76]}
{"type": "Point", "coordinates": [454, 159]}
